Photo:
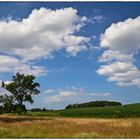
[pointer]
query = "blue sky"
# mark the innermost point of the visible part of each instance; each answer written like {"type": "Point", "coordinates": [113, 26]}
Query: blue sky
{"type": "Point", "coordinates": [79, 51]}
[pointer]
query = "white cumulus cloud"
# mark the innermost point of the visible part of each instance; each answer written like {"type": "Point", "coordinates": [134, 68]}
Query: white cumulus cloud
{"type": "Point", "coordinates": [14, 65]}
{"type": "Point", "coordinates": [123, 36]}
{"type": "Point", "coordinates": [121, 42]}
{"type": "Point", "coordinates": [43, 32]}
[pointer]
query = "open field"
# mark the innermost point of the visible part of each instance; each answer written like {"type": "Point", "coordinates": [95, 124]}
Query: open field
{"type": "Point", "coordinates": [123, 111]}
{"type": "Point", "coordinates": [93, 122]}
{"type": "Point", "coordinates": [56, 127]}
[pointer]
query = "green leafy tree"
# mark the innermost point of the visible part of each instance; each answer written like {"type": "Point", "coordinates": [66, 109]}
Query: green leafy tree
{"type": "Point", "coordinates": [22, 88]}
{"type": "Point", "coordinates": [1, 104]}
{"type": "Point", "coordinates": [44, 109]}
{"type": "Point", "coordinates": [8, 103]}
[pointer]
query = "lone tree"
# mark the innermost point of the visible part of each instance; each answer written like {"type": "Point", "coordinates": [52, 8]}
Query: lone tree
{"type": "Point", "coordinates": [23, 88]}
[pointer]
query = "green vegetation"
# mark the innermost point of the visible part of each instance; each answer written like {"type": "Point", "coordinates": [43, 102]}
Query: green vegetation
{"type": "Point", "coordinates": [131, 110]}
{"type": "Point", "coordinates": [22, 88]}
{"type": "Point", "coordinates": [47, 113]}
{"type": "Point", "coordinates": [94, 104]}
{"type": "Point", "coordinates": [124, 111]}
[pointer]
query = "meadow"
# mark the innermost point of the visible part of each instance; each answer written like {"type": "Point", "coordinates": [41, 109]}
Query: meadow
{"type": "Point", "coordinates": [102, 122]}
{"type": "Point", "coordinates": [123, 111]}
{"type": "Point", "coordinates": [60, 127]}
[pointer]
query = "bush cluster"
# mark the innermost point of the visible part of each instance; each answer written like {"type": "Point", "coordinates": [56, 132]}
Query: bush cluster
{"type": "Point", "coordinates": [13, 109]}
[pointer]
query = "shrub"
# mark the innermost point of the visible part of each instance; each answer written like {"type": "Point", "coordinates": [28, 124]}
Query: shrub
{"type": "Point", "coordinates": [44, 110]}
{"type": "Point", "coordinates": [8, 108]}
{"type": "Point", "coordinates": [1, 109]}
{"type": "Point", "coordinates": [20, 109]}
{"type": "Point", "coordinates": [36, 110]}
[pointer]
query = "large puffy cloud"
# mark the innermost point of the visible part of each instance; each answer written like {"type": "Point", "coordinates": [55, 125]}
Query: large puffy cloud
{"type": "Point", "coordinates": [123, 73]}
{"type": "Point", "coordinates": [116, 67]}
{"type": "Point", "coordinates": [42, 32]}
{"type": "Point", "coordinates": [12, 64]}
{"type": "Point", "coordinates": [121, 42]}
{"type": "Point", "coordinates": [123, 36]}
{"type": "Point", "coordinates": [111, 55]}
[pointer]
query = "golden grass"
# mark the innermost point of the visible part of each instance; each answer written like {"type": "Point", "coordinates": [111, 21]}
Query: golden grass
{"type": "Point", "coordinates": [54, 127]}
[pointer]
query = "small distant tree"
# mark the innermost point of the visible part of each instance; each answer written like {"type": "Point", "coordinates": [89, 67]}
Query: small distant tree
{"type": "Point", "coordinates": [36, 110]}
{"type": "Point", "coordinates": [22, 88]}
{"type": "Point", "coordinates": [44, 109]}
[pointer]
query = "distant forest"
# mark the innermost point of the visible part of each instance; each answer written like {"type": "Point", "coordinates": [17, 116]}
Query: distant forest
{"type": "Point", "coordinates": [94, 104]}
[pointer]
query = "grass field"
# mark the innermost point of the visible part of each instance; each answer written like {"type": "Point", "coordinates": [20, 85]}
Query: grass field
{"type": "Point", "coordinates": [57, 127]}
{"type": "Point", "coordinates": [106, 122]}
{"type": "Point", "coordinates": [124, 111]}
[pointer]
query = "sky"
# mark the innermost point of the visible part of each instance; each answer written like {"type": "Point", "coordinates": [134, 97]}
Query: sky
{"type": "Point", "coordinates": [78, 51]}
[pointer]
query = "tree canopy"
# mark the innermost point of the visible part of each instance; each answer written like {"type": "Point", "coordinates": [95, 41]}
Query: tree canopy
{"type": "Point", "coordinates": [22, 88]}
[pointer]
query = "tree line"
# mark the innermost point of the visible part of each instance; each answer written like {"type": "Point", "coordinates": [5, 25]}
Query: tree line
{"type": "Point", "coordinates": [40, 110]}
{"type": "Point", "coordinates": [93, 104]}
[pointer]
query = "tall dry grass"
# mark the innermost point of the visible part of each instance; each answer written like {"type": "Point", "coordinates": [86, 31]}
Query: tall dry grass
{"type": "Point", "coordinates": [52, 127]}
